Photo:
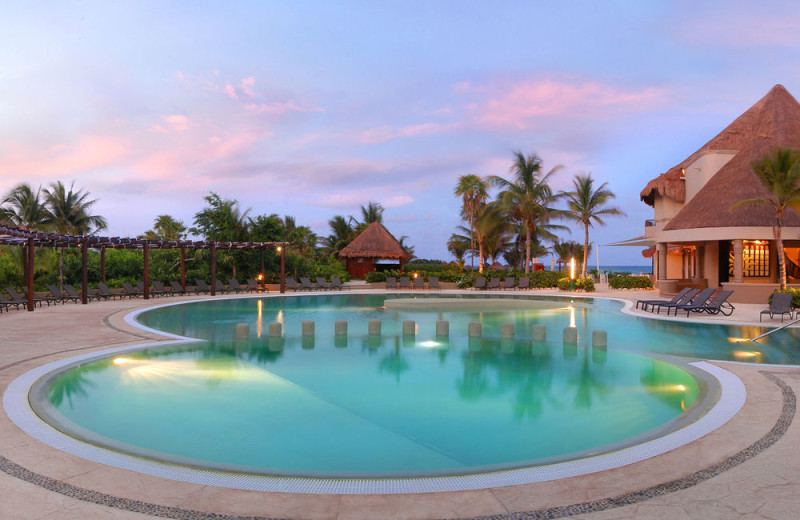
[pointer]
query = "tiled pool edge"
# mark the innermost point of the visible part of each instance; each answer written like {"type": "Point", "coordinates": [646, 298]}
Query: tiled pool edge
{"type": "Point", "coordinates": [785, 419]}
{"type": "Point", "coordinates": [15, 403]}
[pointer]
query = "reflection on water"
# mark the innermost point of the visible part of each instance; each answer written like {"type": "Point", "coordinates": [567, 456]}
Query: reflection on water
{"type": "Point", "coordinates": [390, 402]}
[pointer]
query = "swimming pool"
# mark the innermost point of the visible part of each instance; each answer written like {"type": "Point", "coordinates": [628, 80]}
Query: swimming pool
{"type": "Point", "coordinates": [305, 406]}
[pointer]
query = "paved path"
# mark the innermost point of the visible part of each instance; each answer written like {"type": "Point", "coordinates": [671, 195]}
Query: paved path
{"type": "Point", "coordinates": [749, 468]}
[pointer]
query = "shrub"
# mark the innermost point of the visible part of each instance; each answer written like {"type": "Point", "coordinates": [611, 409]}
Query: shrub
{"type": "Point", "coordinates": [545, 279]}
{"type": "Point", "coordinates": [376, 277]}
{"type": "Point", "coordinates": [630, 282]}
{"type": "Point", "coordinates": [578, 284]}
{"type": "Point", "coordinates": [465, 281]}
{"type": "Point", "coordinates": [795, 297]}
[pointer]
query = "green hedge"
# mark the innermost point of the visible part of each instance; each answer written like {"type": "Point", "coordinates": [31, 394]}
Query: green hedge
{"type": "Point", "coordinates": [630, 282]}
{"type": "Point", "coordinates": [795, 297]}
{"type": "Point", "coordinates": [578, 284]}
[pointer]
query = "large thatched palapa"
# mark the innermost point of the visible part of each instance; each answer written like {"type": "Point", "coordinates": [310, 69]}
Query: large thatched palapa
{"type": "Point", "coordinates": [700, 239]}
{"type": "Point", "coordinates": [372, 247]}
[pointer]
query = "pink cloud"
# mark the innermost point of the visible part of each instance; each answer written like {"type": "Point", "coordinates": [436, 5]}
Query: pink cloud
{"type": "Point", "coordinates": [157, 128]}
{"type": "Point", "coordinates": [247, 86]}
{"type": "Point", "coordinates": [519, 105]}
{"type": "Point", "coordinates": [230, 91]}
{"type": "Point", "coordinates": [386, 133]}
{"type": "Point", "coordinates": [178, 123]}
{"type": "Point", "coordinates": [280, 108]}
{"type": "Point", "coordinates": [63, 159]}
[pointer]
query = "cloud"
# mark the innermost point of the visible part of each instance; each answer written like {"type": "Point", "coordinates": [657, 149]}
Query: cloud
{"type": "Point", "coordinates": [280, 108]}
{"type": "Point", "coordinates": [746, 26]}
{"type": "Point", "coordinates": [358, 197]}
{"type": "Point", "coordinates": [83, 154]}
{"type": "Point", "coordinates": [386, 133]}
{"type": "Point", "coordinates": [177, 122]}
{"type": "Point", "coordinates": [521, 105]}
{"type": "Point", "coordinates": [247, 86]}
{"type": "Point", "coordinates": [230, 91]}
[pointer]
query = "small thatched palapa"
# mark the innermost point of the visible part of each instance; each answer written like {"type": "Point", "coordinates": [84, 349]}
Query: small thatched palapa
{"type": "Point", "coordinates": [773, 121]}
{"type": "Point", "coordinates": [374, 243]}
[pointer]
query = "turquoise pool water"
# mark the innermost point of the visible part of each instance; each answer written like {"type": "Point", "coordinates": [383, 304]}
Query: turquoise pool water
{"type": "Point", "coordinates": [393, 405]}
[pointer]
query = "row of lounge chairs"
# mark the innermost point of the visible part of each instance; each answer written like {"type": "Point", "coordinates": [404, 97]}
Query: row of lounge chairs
{"type": "Point", "coordinates": [692, 300]}
{"type": "Point", "coordinates": [509, 282]}
{"type": "Point", "coordinates": [322, 284]}
{"type": "Point", "coordinates": [405, 282]}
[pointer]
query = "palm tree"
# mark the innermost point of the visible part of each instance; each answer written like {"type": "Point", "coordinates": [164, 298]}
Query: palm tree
{"type": "Point", "coordinates": [528, 198]}
{"type": "Point", "coordinates": [24, 207]}
{"type": "Point", "coordinates": [69, 212]}
{"type": "Point", "coordinates": [458, 245]}
{"type": "Point", "coordinates": [587, 205]}
{"type": "Point", "coordinates": [565, 251]}
{"type": "Point", "coordinates": [166, 227]}
{"type": "Point", "coordinates": [342, 233]}
{"type": "Point", "coordinates": [408, 248]}
{"type": "Point", "coordinates": [472, 190]}
{"type": "Point", "coordinates": [372, 212]}
{"type": "Point", "coordinates": [779, 172]}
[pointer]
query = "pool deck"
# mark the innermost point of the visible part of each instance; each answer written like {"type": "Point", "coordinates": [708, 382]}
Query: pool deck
{"type": "Point", "coordinates": [749, 468]}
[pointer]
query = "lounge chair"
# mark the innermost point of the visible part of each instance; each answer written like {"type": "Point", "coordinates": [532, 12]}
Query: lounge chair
{"type": "Point", "coordinates": [152, 291]}
{"type": "Point", "coordinates": [781, 304]}
{"type": "Point", "coordinates": [419, 283]}
{"type": "Point", "coordinates": [433, 283]}
{"type": "Point", "coordinates": [494, 283]}
{"type": "Point", "coordinates": [524, 283]}
{"type": "Point", "coordinates": [306, 285]}
{"type": "Point", "coordinates": [336, 283]}
{"type": "Point", "coordinates": [404, 283]}
{"type": "Point", "coordinates": [161, 289]}
{"type": "Point", "coordinates": [508, 282]}
{"type": "Point", "coordinates": [73, 292]}
{"type": "Point", "coordinates": [655, 305]}
{"type": "Point", "coordinates": [322, 283]}
{"type": "Point", "coordinates": [202, 286]}
{"type": "Point", "coordinates": [5, 302]}
{"type": "Point", "coordinates": [291, 283]}
{"type": "Point", "coordinates": [480, 282]}
{"type": "Point", "coordinates": [675, 299]}
{"type": "Point", "coordinates": [218, 287]}
{"type": "Point", "coordinates": [234, 286]}
{"type": "Point", "coordinates": [391, 282]}
{"type": "Point", "coordinates": [57, 294]}
{"type": "Point", "coordinates": [254, 286]}
{"type": "Point", "coordinates": [176, 287]}
{"type": "Point", "coordinates": [106, 293]}
{"type": "Point", "coordinates": [716, 305]}
{"type": "Point", "coordinates": [17, 299]}
{"type": "Point", "coordinates": [696, 302]}
{"type": "Point", "coordinates": [130, 291]}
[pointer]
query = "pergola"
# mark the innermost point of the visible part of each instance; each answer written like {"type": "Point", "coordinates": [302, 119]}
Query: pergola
{"type": "Point", "coordinates": [30, 240]}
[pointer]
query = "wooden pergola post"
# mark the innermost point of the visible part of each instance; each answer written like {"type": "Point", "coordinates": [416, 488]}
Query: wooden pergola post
{"type": "Point", "coordinates": [103, 264]}
{"type": "Point", "coordinates": [29, 273]}
{"type": "Point", "coordinates": [84, 271]}
{"type": "Point", "coordinates": [146, 255]}
{"type": "Point", "coordinates": [283, 269]}
{"type": "Point", "coordinates": [183, 268]}
{"type": "Point", "coordinates": [263, 279]}
{"type": "Point", "coordinates": [213, 282]}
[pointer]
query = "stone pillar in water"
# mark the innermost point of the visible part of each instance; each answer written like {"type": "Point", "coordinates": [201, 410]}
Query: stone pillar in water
{"type": "Point", "coordinates": [374, 327]}
{"type": "Point", "coordinates": [442, 328]}
{"type": "Point", "coordinates": [599, 339]}
{"type": "Point", "coordinates": [507, 330]}
{"type": "Point", "coordinates": [340, 328]}
{"type": "Point", "coordinates": [242, 331]}
{"type": "Point", "coordinates": [570, 334]}
{"type": "Point", "coordinates": [475, 329]}
{"type": "Point", "coordinates": [539, 332]}
{"type": "Point", "coordinates": [409, 328]}
{"type": "Point", "coordinates": [275, 329]}
{"type": "Point", "coordinates": [308, 328]}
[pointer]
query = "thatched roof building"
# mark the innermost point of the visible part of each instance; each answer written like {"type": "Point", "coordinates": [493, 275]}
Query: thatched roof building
{"type": "Point", "coordinates": [700, 239]}
{"type": "Point", "coordinates": [369, 248]}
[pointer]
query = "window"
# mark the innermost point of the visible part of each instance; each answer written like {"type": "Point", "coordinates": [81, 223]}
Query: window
{"type": "Point", "coordinates": [755, 259]}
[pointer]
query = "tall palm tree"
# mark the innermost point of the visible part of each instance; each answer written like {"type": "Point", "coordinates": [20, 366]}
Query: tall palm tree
{"type": "Point", "coordinates": [372, 212]}
{"type": "Point", "coordinates": [23, 206]}
{"type": "Point", "coordinates": [528, 197]}
{"type": "Point", "coordinates": [69, 212]}
{"type": "Point", "coordinates": [779, 172]}
{"type": "Point", "coordinates": [458, 245]}
{"type": "Point", "coordinates": [342, 233]}
{"type": "Point", "coordinates": [472, 190]}
{"type": "Point", "coordinates": [587, 206]}
{"type": "Point", "coordinates": [165, 227]}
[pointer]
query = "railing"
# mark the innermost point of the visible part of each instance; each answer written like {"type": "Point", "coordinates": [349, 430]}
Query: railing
{"type": "Point", "coordinates": [792, 269]}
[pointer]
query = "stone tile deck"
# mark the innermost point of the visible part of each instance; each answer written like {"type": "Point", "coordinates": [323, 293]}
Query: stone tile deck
{"type": "Point", "coordinates": [749, 468]}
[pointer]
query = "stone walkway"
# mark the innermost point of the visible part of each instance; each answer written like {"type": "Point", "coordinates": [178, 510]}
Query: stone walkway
{"type": "Point", "coordinates": [749, 468]}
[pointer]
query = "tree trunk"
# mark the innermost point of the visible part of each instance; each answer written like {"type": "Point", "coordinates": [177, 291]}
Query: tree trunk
{"type": "Point", "coordinates": [527, 249]}
{"type": "Point", "coordinates": [472, 241]}
{"type": "Point", "coordinates": [61, 268]}
{"type": "Point", "coordinates": [585, 249]}
{"type": "Point", "coordinates": [480, 254]}
{"type": "Point", "coordinates": [781, 263]}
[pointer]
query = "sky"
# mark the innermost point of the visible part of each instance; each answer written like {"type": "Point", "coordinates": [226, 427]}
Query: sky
{"type": "Point", "coordinates": [315, 108]}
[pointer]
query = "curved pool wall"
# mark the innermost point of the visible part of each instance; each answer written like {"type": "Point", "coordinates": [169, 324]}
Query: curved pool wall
{"type": "Point", "coordinates": [731, 391]}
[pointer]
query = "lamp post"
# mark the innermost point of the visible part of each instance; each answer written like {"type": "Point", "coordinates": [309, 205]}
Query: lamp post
{"type": "Point", "coordinates": [572, 268]}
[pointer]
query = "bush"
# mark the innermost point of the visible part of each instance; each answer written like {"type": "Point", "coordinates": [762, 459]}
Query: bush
{"type": "Point", "coordinates": [465, 281]}
{"type": "Point", "coordinates": [630, 282]}
{"type": "Point", "coordinates": [375, 277]}
{"type": "Point", "coordinates": [795, 297]}
{"type": "Point", "coordinates": [578, 284]}
{"type": "Point", "coordinates": [545, 279]}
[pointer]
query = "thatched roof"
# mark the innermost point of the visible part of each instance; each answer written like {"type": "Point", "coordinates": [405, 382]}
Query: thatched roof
{"type": "Point", "coordinates": [374, 242]}
{"type": "Point", "coordinates": [735, 181]}
{"type": "Point", "coordinates": [775, 118]}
